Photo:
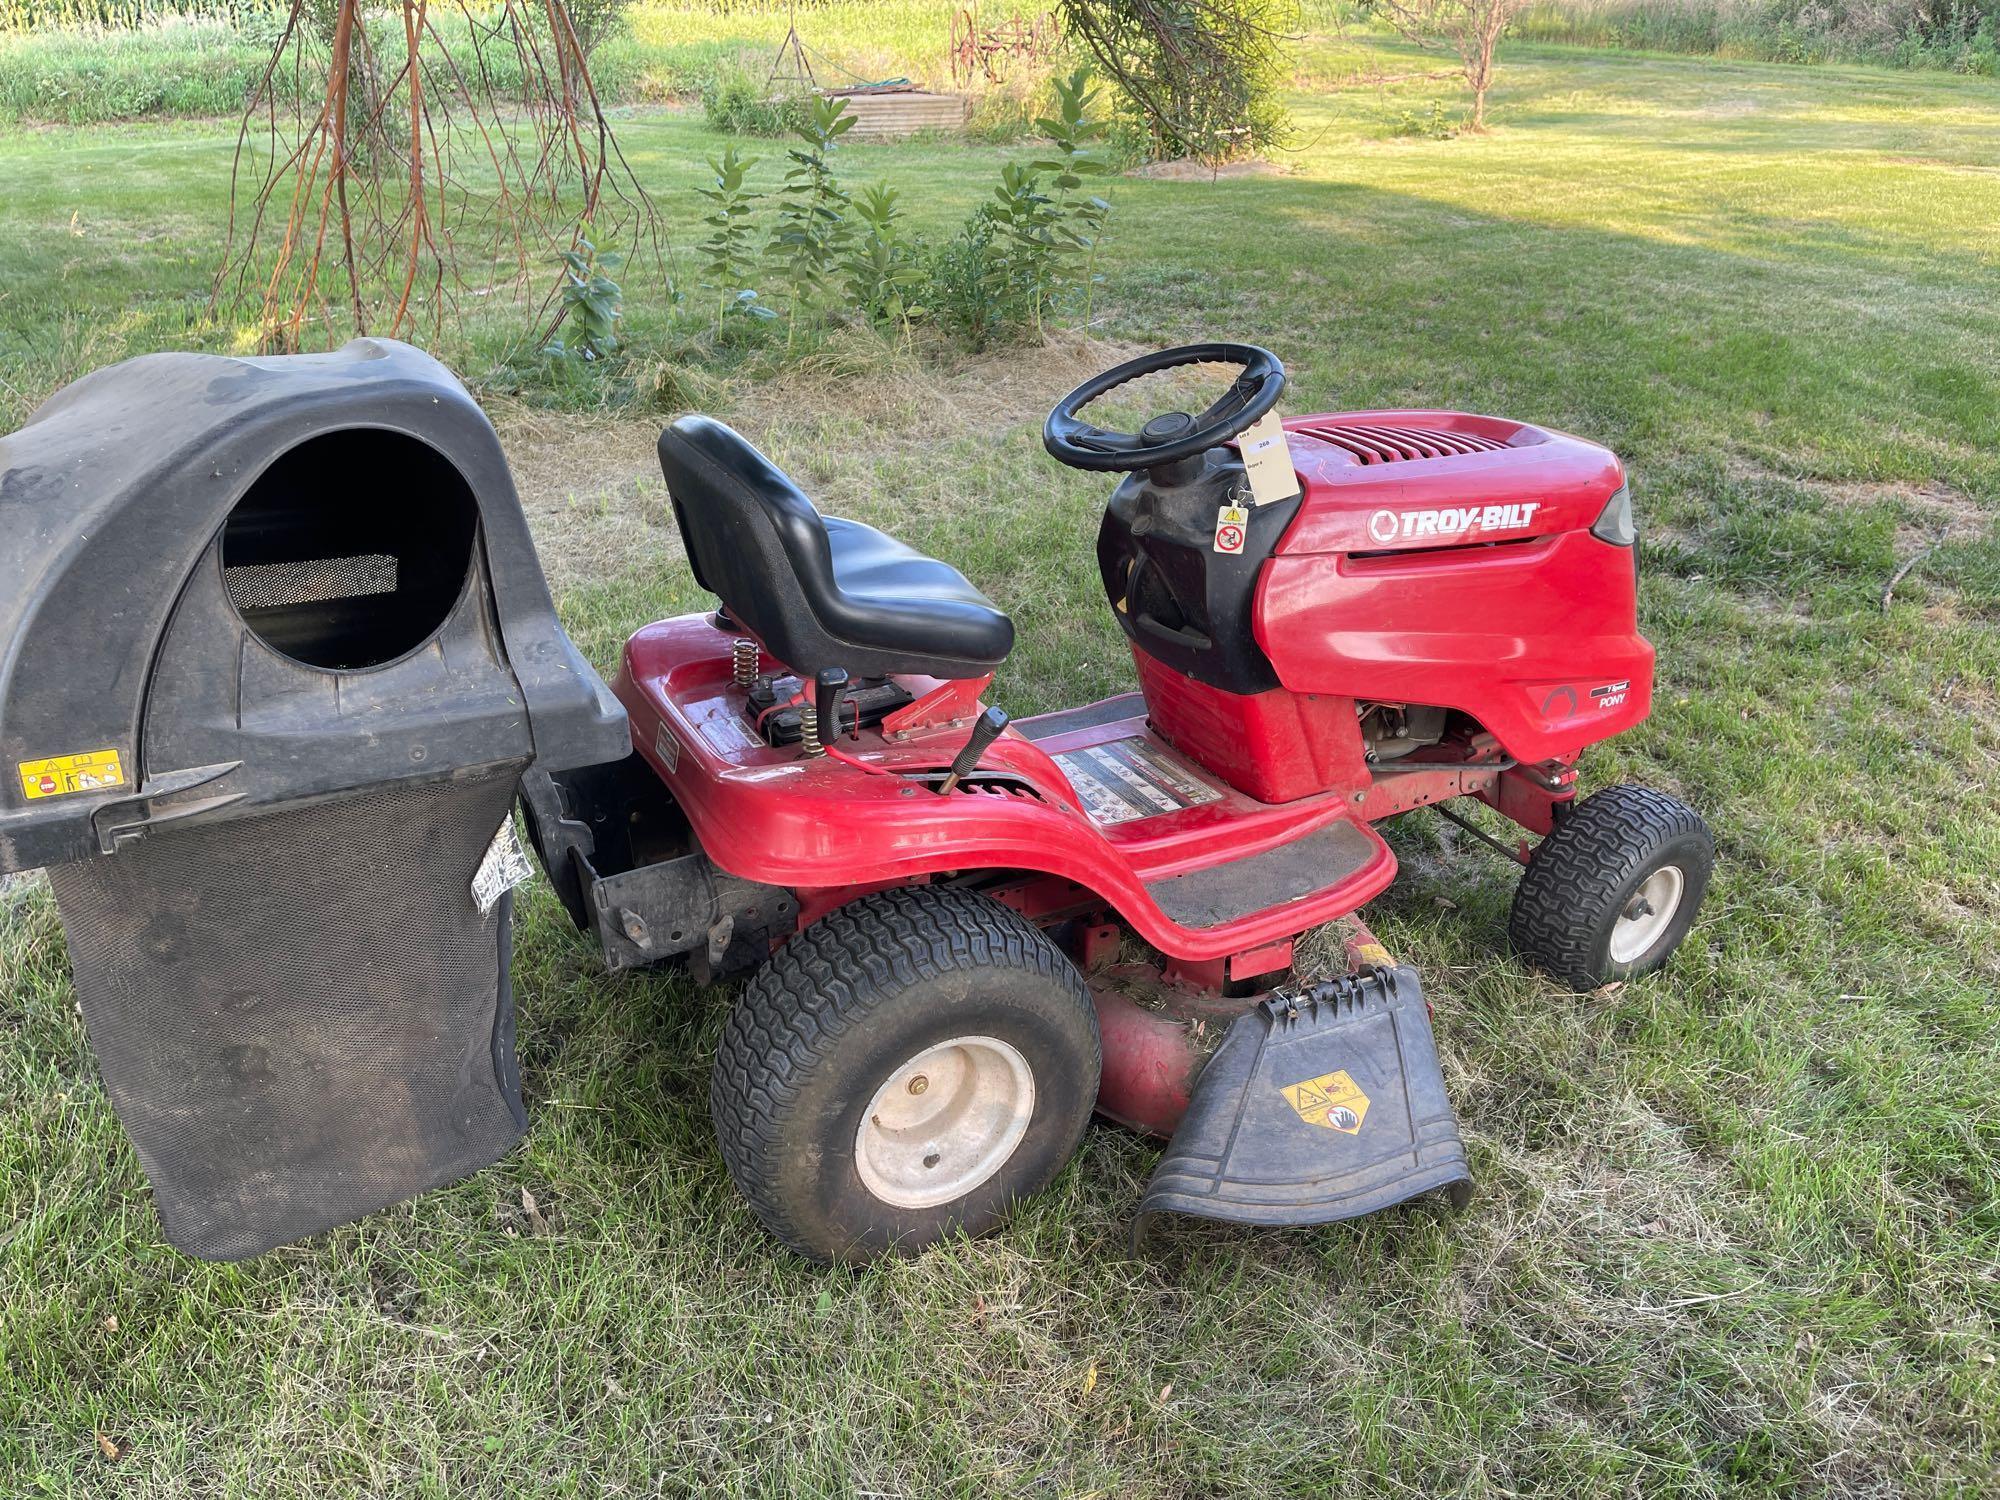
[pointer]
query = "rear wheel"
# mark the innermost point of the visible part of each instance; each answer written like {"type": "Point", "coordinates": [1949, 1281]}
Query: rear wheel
{"type": "Point", "coordinates": [1611, 893]}
{"type": "Point", "coordinates": [906, 1067]}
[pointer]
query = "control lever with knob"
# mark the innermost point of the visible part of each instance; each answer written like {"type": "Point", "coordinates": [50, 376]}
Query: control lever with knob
{"type": "Point", "coordinates": [985, 730]}
{"type": "Point", "coordinates": [829, 696]}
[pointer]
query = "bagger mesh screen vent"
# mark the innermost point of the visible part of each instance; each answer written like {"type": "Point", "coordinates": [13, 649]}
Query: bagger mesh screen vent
{"type": "Point", "coordinates": [255, 586]}
{"type": "Point", "coordinates": [1387, 445]}
{"type": "Point", "coordinates": [301, 1016]}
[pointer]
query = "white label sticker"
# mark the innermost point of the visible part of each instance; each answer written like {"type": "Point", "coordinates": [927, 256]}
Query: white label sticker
{"type": "Point", "coordinates": [1131, 778]}
{"type": "Point", "coordinates": [1231, 524]}
{"type": "Point", "coordinates": [1267, 459]}
{"type": "Point", "coordinates": [667, 748]}
{"type": "Point", "coordinates": [504, 867]}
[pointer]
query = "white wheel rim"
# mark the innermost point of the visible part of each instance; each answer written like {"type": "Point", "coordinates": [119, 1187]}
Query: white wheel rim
{"type": "Point", "coordinates": [1648, 913]}
{"type": "Point", "coordinates": [944, 1122]}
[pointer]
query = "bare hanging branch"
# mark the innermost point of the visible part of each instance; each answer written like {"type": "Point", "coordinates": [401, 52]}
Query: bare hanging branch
{"type": "Point", "coordinates": [397, 176]}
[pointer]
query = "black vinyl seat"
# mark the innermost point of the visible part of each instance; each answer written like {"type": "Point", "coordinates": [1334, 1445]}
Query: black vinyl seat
{"type": "Point", "coordinates": [816, 590]}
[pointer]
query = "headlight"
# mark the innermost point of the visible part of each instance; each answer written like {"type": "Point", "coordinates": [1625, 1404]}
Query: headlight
{"type": "Point", "coordinates": [1615, 524]}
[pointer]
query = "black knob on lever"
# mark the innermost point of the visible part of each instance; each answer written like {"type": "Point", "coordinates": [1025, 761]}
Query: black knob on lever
{"type": "Point", "coordinates": [985, 730]}
{"type": "Point", "coordinates": [829, 694]}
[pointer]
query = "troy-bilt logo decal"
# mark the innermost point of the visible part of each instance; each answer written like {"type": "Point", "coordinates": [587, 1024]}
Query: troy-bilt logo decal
{"type": "Point", "coordinates": [1387, 526]}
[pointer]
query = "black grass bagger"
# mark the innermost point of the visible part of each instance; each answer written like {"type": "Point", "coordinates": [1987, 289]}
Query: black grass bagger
{"type": "Point", "coordinates": [274, 653]}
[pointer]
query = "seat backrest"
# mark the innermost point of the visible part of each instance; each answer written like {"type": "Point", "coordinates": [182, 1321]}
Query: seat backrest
{"type": "Point", "coordinates": [750, 532]}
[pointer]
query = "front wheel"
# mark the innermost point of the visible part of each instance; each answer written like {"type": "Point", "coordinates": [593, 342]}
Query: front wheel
{"type": "Point", "coordinates": [905, 1068]}
{"type": "Point", "coordinates": [1612, 891]}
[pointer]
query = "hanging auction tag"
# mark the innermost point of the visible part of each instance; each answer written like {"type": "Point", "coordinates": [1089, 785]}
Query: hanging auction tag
{"type": "Point", "coordinates": [1231, 523]}
{"type": "Point", "coordinates": [1267, 459]}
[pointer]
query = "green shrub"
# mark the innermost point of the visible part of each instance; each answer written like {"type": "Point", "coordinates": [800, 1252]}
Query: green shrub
{"type": "Point", "coordinates": [964, 284]}
{"type": "Point", "coordinates": [1429, 124]}
{"type": "Point", "coordinates": [1033, 248]}
{"type": "Point", "coordinates": [736, 102]}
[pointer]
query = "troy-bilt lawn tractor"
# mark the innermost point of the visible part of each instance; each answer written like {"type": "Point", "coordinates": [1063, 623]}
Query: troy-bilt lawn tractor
{"type": "Point", "coordinates": [1333, 623]}
{"type": "Point", "coordinates": [277, 661]}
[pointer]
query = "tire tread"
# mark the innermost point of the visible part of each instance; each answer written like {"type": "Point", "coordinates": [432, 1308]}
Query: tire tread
{"type": "Point", "coordinates": [827, 981]}
{"type": "Point", "coordinates": [1583, 865]}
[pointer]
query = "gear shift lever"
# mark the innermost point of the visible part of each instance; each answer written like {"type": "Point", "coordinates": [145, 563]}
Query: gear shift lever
{"type": "Point", "coordinates": [829, 696]}
{"type": "Point", "coordinates": [985, 730]}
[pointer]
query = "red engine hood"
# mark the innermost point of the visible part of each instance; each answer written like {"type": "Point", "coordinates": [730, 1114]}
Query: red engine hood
{"type": "Point", "coordinates": [1389, 481]}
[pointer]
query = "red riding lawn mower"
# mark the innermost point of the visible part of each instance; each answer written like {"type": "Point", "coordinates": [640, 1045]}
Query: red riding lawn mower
{"type": "Point", "coordinates": [1334, 620]}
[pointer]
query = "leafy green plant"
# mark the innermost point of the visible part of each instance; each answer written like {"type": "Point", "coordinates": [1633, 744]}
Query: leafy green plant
{"type": "Point", "coordinates": [1431, 124]}
{"type": "Point", "coordinates": [729, 253]}
{"type": "Point", "coordinates": [882, 268]}
{"type": "Point", "coordinates": [963, 284]}
{"type": "Point", "coordinates": [1049, 225]}
{"type": "Point", "coordinates": [1080, 219]}
{"type": "Point", "coordinates": [1024, 217]}
{"type": "Point", "coordinates": [737, 102]}
{"type": "Point", "coordinates": [593, 304]}
{"type": "Point", "coordinates": [812, 232]}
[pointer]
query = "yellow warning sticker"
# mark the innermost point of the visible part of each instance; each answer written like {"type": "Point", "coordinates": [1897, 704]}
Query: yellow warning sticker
{"type": "Point", "coordinates": [61, 775]}
{"type": "Point", "coordinates": [1332, 1099]}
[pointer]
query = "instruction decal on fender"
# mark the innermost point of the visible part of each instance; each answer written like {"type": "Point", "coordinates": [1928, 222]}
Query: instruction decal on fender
{"type": "Point", "coordinates": [1267, 459]}
{"type": "Point", "coordinates": [1332, 1099]}
{"type": "Point", "coordinates": [62, 775]}
{"type": "Point", "coordinates": [1131, 778]}
{"type": "Point", "coordinates": [1232, 523]}
{"type": "Point", "coordinates": [667, 748]}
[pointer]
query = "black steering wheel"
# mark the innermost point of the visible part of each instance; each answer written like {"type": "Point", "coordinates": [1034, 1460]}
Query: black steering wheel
{"type": "Point", "coordinates": [1176, 435]}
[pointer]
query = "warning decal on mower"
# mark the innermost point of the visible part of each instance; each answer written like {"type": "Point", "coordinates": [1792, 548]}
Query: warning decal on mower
{"type": "Point", "coordinates": [1131, 778]}
{"type": "Point", "coordinates": [62, 774]}
{"type": "Point", "coordinates": [1332, 1099]}
{"type": "Point", "coordinates": [1231, 521]}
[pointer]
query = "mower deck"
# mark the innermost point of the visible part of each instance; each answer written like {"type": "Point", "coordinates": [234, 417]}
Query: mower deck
{"type": "Point", "coordinates": [1088, 797]}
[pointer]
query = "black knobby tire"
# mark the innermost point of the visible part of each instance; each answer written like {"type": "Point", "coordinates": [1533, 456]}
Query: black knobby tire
{"type": "Point", "coordinates": [840, 1008]}
{"type": "Point", "coordinates": [1584, 875]}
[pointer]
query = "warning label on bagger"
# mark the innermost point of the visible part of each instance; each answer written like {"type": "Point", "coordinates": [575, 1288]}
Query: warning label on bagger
{"type": "Point", "coordinates": [62, 774]}
{"type": "Point", "coordinates": [1132, 778]}
{"type": "Point", "coordinates": [1332, 1099]}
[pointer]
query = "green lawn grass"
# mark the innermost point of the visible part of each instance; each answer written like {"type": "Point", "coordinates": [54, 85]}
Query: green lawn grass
{"type": "Point", "coordinates": [1738, 1225]}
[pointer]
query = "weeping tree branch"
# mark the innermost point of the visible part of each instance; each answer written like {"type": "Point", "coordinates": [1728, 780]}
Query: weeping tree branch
{"type": "Point", "coordinates": [1202, 75]}
{"type": "Point", "coordinates": [347, 186]}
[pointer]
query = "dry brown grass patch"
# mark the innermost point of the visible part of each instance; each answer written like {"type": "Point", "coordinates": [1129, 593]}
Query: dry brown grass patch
{"type": "Point", "coordinates": [591, 484]}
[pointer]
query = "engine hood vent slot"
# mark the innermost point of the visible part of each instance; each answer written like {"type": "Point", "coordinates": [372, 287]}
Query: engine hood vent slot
{"type": "Point", "coordinates": [1373, 444]}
